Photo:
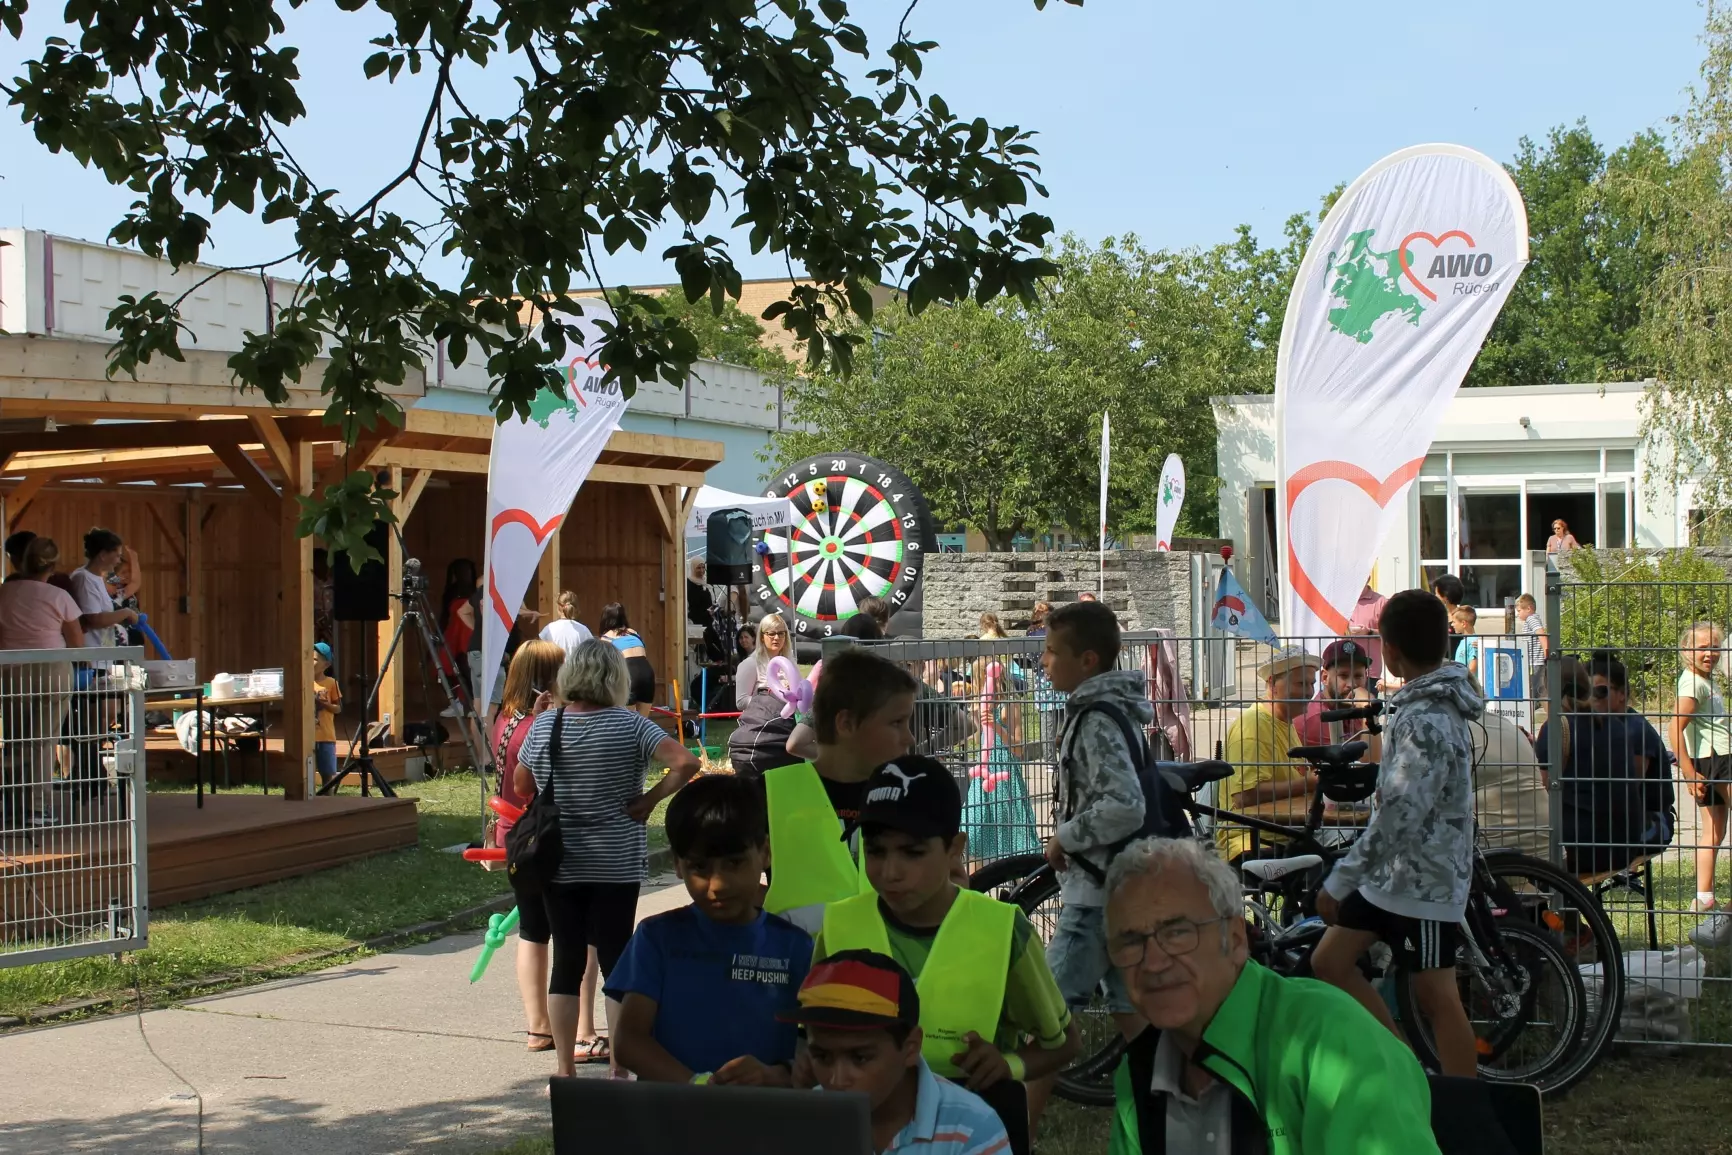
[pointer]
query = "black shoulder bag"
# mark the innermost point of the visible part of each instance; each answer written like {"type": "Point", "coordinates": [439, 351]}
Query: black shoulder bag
{"type": "Point", "coordinates": [535, 846]}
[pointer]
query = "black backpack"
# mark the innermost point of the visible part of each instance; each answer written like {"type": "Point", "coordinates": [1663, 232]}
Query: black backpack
{"type": "Point", "coordinates": [1163, 815]}
{"type": "Point", "coordinates": [535, 846]}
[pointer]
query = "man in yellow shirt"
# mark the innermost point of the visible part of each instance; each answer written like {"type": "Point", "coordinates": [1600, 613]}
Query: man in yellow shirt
{"type": "Point", "coordinates": [1257, 746]}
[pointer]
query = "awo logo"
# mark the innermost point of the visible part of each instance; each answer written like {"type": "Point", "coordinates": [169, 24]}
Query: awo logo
{"type": "Point", "coordinates": [583, 380]}
{"type": "Point", "coordinates": [1368, 284]}
{"type": "Point", "coordinates": [1457, 265]}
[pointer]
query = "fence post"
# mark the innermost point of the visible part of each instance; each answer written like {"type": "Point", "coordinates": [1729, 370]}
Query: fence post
{"type": "Point", "coordinates": [1555, 706]}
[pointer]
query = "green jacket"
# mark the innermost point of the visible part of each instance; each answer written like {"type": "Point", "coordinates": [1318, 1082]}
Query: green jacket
{"type": "Point", "coordinates": [1311, 1072]}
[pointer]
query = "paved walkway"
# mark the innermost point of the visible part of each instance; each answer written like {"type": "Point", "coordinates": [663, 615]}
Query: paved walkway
{"type": "Point", "coordinates": [393, 1053]}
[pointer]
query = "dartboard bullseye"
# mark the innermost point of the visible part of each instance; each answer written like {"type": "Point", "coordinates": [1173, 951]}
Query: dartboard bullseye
{"type": "Point", "coordinates": [858, 529]}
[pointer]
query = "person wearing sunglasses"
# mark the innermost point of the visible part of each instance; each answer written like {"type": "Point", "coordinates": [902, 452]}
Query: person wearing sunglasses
{"type": "Point", "coordinates": [1233, 1052]}
{"type": "Point", "coordinates": [1702, 741]}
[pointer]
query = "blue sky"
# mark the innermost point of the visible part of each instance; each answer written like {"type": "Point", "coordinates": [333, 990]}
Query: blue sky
{"type": "Point", "coordinates": [1176, 122]}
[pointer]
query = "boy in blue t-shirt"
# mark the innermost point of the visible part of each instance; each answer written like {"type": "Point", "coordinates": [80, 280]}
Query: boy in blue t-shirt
{"type": "Point", "coordinates": [701, 988]}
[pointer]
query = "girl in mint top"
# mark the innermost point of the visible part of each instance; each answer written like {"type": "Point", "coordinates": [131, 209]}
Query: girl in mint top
{"type": "Point", "coordinates": [1702, 741]}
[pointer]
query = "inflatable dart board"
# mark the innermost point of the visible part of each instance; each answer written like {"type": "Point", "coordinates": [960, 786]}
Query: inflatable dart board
{"type": "Point", "coordinates": [858, 529]}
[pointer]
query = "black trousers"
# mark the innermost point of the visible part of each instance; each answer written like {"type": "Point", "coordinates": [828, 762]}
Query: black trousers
{"type": "Point", "coordinates": [581, 915]}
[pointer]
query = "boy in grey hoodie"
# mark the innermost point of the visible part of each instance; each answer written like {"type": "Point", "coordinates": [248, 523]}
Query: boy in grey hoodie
{"type": "Point", "coordinates": [1406, 879]}
{"type": "Point", "coordinates": [1098, 801]}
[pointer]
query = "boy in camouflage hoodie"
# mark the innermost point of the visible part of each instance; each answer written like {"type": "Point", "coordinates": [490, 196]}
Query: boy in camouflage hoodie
{"type": "Point", "coordinates": [1406, 879]}
{"type": "Point", "coordinates": [1098, 802]}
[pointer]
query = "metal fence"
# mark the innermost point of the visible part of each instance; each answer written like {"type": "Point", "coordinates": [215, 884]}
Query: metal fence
{"type": "Point", "coordinates": [72, 833]}
{"type": "Point", "coordinates": [986, 709]}
{"type": "Point", "coordinates": [1645, 773]}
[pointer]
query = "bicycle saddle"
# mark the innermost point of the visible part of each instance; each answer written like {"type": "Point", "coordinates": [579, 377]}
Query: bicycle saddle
{"type": "Point", "coordinates": [1193, 776]}
{"type": "Point", "coordinates": [1330, 755]}
{"type": "Point", "coordinates": [1274, 869]}
{"type": "Point", "coordinates": [1353, 783]}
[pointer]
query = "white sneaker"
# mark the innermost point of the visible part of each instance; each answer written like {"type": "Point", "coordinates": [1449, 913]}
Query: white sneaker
{"type": "Point", "coordinates": [1714, 931]}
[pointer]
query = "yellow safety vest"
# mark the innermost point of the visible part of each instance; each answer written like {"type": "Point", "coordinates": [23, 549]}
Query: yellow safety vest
{"type": "Point", "coordinates": [961, 985]}
{"type": "Point", "coordinates": [809, 862]}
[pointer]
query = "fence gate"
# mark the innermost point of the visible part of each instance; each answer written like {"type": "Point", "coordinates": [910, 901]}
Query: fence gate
{"type": "Point", "coordinates": [72, 818]}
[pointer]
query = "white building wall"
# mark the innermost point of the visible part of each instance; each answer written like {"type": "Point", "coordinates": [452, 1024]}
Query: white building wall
{"type": "Point", "coordinates": [1572, 434]}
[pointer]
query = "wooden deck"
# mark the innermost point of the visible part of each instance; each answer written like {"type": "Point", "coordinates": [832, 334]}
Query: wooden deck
{"type": "Point", "coordinates": [237, 840]}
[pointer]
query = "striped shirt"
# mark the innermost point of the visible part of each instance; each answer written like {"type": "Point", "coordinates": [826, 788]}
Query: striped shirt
{"type": "Point", "coordinates": [949, 1119]}
{"type": "Point", "coordinates": [603, 757]}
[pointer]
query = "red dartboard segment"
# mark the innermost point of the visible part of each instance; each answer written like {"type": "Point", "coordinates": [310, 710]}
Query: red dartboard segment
{"type": "Point", "coordinates": [865, 534]}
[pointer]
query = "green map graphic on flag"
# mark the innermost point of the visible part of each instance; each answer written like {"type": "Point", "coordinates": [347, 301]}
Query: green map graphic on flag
{"type": "Point", "coordinates": [1368, 284]}
{"type": "Point", "coordinates": [546, 403]}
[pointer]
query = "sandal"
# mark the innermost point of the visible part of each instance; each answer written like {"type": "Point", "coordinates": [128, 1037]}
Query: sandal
{"type": "Point", "coordinates": [539, 1041]}
{"type": "Point", "coordinates": [591, 1050]}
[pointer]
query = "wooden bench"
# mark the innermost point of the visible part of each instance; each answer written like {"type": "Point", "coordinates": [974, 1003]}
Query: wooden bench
{"type": "Point", "coordinates": [1637, 877]}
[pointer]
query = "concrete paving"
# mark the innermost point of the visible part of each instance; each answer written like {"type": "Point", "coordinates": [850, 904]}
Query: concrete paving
{"type": "Point", "coordinates": [393, 1053]}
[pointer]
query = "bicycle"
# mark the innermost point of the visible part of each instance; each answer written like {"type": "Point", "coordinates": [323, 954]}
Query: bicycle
{"type": "Point", "coordinates": [1515, 954]}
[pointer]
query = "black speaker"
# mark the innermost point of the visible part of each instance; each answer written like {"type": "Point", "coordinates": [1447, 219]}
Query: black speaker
{"type": "Point", "coordinates": [361, 597]}
{"type": "Point", "coordinates": [728, 548]}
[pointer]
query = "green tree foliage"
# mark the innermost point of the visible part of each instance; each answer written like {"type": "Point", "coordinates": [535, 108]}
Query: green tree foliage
{"type": "Point", "coordinates": [995, 411]}
{"type": "Point", "coordinates": [1637, 604]}
{"type": "Point", "coordinates": [1683, 335]}
{"type": "Point", "coordinates": [631, 115]}
{"type": "Point", "coordinates": [726, 335]}
{"type": "Point", "coordinates": [1575, 308]}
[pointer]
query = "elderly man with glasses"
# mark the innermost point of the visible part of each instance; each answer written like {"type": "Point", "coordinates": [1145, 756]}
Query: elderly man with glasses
{"type": "Point", "coordinates": [1237, 1058]}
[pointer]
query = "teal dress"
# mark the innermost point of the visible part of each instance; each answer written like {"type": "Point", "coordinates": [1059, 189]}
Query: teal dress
{"type": "Point", "coordinates": [997, 815]}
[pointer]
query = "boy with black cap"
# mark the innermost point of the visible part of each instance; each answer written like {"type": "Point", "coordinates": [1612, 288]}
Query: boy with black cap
{"type": "Point", "coordinates": [982, 972]}
{"type": "Point", "coordinates": [862, 1018]}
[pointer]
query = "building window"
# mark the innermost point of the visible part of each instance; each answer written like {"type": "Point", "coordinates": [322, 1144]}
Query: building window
{"type": "Point", "coordinates": [1489, 536]}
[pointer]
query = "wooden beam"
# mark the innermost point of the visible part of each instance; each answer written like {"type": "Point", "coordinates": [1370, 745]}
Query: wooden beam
{"type": "Point", "coordinates": [132, 435]}
{"type": "Point", "coordinates": [686, 503]}
{"type": "Point", "coordinates": [296, 624]}
{"type": "Point", "coordinates": [111, 460]}
{"type": "Point", "coordinates": [662, 445]}
{"type": "Point", "coordinates": [248, 473]}
{"type": "Point", "coordinates": [196, 519]}
{"type": "Point", "coordinates": [674, 551]}
{"type": "Point", "coordinates": [391, 688]}
{"type": "Point", "coordinates": [167, 534]}
{"type": "Point", "coordinates": [547, 579]}
{"type": "Point", "coordinates": [407, 500]}
{"type": "Point", "coordinates": [18, 501]}
{"type": "Point", "coordinates": [274, 442]}
{"type": "Point", "coordinates": [435, 459]}
{"type": "Point", "coordinates": [662, 512]}
{"type": "Point", "coordinates": [643, 475]}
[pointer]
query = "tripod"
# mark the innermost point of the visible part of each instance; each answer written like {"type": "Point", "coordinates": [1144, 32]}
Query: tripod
{"type": "Point", "coordinates": [359, 760]}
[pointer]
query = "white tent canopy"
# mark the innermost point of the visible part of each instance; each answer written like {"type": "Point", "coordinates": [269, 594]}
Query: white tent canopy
{"type": "Point", "coordinates": [767, 512]}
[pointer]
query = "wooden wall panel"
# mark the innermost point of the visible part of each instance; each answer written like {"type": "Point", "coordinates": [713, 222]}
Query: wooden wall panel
{"type": "Point", "coordinates": [612, 550]}
{"type": "Point", "coordinates": [239, 565]}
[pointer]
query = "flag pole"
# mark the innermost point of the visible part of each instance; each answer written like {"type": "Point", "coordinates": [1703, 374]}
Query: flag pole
{"type": "Point", "coordinates": [1106, 459]}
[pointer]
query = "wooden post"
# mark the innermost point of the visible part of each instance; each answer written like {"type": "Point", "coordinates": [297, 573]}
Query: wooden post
{"type": "Point", "coordinates": [547, 580]}
{"type": "Point", "coordinates": [391, 689]}
{"type": "Point", "coordinates": [297, 622]}
{"type": "Point", "coordinates": [674, 549]}
{"type": "Point", "coordinates": [195, 584]}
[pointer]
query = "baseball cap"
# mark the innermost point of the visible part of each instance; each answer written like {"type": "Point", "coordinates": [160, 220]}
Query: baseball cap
{"type": "Point", "coordinates": [856, 990]}
{"type": "Point", "coordinates": [1345, 650]}
{"type": "Point", "coordinates": [916, 796]}
{"type": "Point", "coordinates": [322, 649]}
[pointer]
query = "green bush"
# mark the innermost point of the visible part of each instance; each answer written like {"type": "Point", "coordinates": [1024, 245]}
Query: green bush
{"type": "Point", "coordinates": [1637, 603]}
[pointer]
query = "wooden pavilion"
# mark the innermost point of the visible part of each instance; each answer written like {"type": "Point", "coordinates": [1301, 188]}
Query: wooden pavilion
{"type": "Point", "coordinates": [202, 479]}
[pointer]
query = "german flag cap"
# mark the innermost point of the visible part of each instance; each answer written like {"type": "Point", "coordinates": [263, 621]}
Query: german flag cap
{"type": "Point", "coordinates": [857, 990]}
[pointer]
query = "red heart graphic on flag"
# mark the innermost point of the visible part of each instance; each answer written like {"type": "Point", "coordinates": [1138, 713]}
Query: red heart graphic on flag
{"type": "Point", "coordinates": [1380, 491]}
{"type": "Point", "coordinates": [536, 529]}
{"type": "Point", "coordinates": [1437, 242]}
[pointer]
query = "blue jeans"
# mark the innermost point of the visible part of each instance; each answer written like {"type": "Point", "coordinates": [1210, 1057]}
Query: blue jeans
{"type": "Point", "coordinates": [325, 758]}
{"type": "Point", "coordinates": [1077, 957]}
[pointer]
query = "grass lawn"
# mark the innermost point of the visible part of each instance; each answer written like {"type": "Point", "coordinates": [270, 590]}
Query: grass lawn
{"type": "Point", "coordinates": [1613, 1112]}
{"type": "Point", "coordinates": [267, 930]}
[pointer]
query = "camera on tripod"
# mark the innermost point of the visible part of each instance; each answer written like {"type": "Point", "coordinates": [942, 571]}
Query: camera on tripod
{"type": "Point", "coordinates": [414, 581]}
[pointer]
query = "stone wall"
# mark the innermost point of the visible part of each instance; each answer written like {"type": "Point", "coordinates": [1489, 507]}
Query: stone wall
{"type": "Point", "coordinates": [1146, 589]}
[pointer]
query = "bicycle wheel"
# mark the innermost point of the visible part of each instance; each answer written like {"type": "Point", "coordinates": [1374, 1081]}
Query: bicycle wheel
{"type": "Point", "coordinates": [1026, 881]}
{"type": "Point", "coordinates": [1528, 1031]}
{"type": "Point", "coordinates": [1552, 898]}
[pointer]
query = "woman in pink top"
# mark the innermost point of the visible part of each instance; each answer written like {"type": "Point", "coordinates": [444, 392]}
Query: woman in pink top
{"type": "Point", "coordinates": [1562, 540]}
{"type": "Point", "coordinates": [35, 695]}
{"type": "Point", "coordinates": [528, 691]}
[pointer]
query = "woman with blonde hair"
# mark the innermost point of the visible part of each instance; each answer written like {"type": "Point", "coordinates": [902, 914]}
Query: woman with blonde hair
{"type": "Point", "coordinates": [529, 686]}
{"type": "Point", "coordinates": [594, 753]}
{"type": "Point", "coordinates": [1702, 740]}
{"type": "Point", "coordinates": [996, 814]}
{"type": "Point", "coordinates": [760, 738]}
{"type": "Point", "coordinates": [566, 631]}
